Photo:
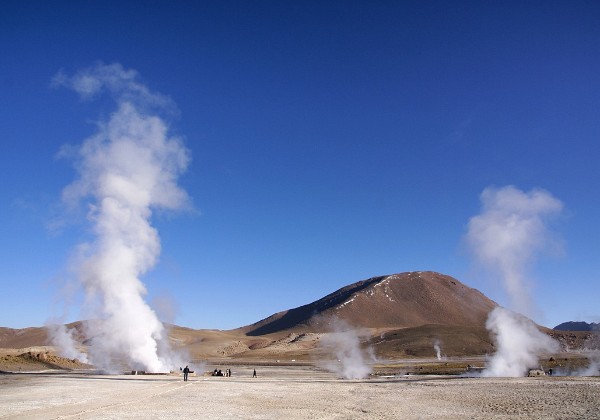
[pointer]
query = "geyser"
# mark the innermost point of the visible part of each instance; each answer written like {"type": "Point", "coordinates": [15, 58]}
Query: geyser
{"type": "Point", "coordinates": [350, 360]}
{"type": "Point", "coordinates": [505, 238]}
{"type": "Point", "coordinates": [519, 343]}
{"type": "Point", "coordinates": [126, 170]}
{"type": "Point", "coordinates": [438, 349]}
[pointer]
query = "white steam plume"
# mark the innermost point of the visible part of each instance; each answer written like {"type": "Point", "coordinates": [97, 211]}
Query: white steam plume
{"type": "Point", "coordinates": [63, 339]}
{"type": "Point", "coordinates": [518, 343]}
{"type": "Point", "coordinates": [343, 343]}
{"type": "Point", "coordinates": [438, 349]}
{"type": "Point", "coordinates": [506, 237]}
{"type": "Point", "coordinates": [592, 348]}
{"type": "Point", "coordinates": [509, 233]}
{"type": "Point", "coordinates": [126, 170]}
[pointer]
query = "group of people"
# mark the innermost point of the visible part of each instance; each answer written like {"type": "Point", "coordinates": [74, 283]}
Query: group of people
{"type": "Point", "coordinates": [217, 372]}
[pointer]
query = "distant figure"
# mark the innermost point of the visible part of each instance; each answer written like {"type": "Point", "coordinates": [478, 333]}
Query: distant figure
{"type": "Point", "coordinates": [215, 372]}
{"type": "Point", "coordinates": [186, 370]}
{"type": "Point", "coordinates": [254, 373]}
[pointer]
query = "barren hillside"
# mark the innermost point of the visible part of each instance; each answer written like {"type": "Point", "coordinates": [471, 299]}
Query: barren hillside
{"type": "Point", "coordinates": [400, 315]}
{"type": "Point", "coordinates": [396, 301]}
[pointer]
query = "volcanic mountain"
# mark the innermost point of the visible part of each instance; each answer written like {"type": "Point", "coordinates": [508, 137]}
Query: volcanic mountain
{"type": "Point", "coordinates": [401, 315]}
{"type": "Point", "coordinates": [396, 301]}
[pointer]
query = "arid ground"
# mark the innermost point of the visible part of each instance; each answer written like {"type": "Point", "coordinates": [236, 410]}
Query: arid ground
{"type": "Point", "coordinates": [425, 330]}
{"type": "Point", "coordinates": [293, 392]}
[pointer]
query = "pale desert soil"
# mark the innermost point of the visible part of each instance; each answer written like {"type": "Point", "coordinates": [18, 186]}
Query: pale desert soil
{"type": "Point", "coordinates": [294, 393]}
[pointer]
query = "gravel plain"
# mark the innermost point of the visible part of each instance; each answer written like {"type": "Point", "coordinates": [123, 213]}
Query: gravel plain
{"type": "Point", "coordinates": [293, 393]}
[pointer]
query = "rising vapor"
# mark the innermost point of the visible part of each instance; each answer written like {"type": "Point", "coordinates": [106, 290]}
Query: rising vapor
{"type": "Point", "coordinates": [509, 233]}
{"type": "Point", "coordinates": [63, 339]}
{"type": "Point", "coordinates": [126, 170]}
{"type": "Point", "coordinates": [344, 353]}
{"type": "Point", "coordinates": [506, 238]}
{"type": "Point", "coordinates": [438, 349]}
{"type": "Point", "coordinates": [518, 344]}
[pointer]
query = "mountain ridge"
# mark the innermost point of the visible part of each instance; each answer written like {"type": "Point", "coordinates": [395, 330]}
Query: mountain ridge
{"type": "Point", "coordinates": [408, 299]}
{"type": "Point", "coordinates": [401, 314]}
{"type": "Point", "coordinates": [578, 326]}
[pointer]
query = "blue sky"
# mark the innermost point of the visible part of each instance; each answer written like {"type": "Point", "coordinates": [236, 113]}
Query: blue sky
{"type": "Point", "coordinates": [329, 143]}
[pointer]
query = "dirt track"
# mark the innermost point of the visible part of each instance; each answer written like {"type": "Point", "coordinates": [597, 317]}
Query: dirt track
{"type": "Point", "coordinates": [293, 393]}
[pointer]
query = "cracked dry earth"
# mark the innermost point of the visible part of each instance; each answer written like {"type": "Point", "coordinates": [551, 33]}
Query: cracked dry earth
{"type": "Point", "coordinates": [294, 393]}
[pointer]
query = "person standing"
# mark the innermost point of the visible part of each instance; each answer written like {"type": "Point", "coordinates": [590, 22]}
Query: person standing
{"type": "Point", "coordinates": [186, 370]}
{"type": "Point", "coordinates": [254, 373]}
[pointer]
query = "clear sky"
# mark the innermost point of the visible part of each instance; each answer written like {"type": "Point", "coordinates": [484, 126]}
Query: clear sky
{"type": "Point", "coordinates": [330, 142]}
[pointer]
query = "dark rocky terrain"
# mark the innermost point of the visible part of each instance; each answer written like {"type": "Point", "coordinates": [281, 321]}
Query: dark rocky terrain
{"type": "Point", "coordinates": [578, 326]}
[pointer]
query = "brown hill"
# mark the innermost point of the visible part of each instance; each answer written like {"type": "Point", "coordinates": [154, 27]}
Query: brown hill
{"type": "Point", "coordinates": [36, 336]}
{"type": "Point", "coordinates": [401, 315]}
{"type": "Point", "coordinates": [36, 358]}
{"type": "Point", "coordinates": [453, 340]}
{"type": "Point", "coordinates": [21, 338]}
{"type": "Point", "coordinates": [397, 301]}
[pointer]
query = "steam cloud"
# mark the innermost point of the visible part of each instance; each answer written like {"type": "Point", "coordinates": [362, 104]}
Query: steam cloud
{"type": "Point", "coordinates": [518, 342]}
{"type": "Point", "coordinates": [438, 349]}
{"type": "Point", "coordinates": [63, 339]}
{"type": "Point", "coordinates": [593, 352]}
{"type": "Point", "coordinates": [351, 361]}
{"type": "Point", "coordinates": [506, 237]}
{"type": "Point", "coordinates": [126, 170]}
